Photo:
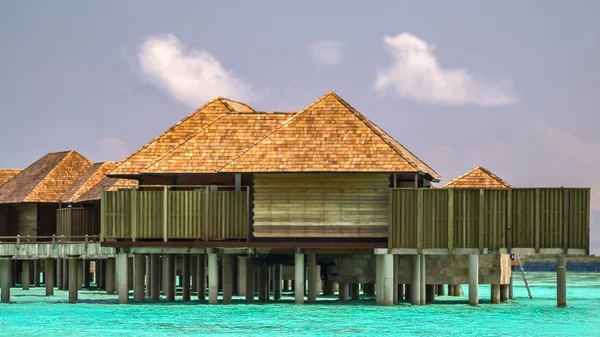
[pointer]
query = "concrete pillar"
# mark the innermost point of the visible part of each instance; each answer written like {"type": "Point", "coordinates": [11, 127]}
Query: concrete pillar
{"type": "Point", "coordinates": [73, 280]}
{"type": "Point", "coordinates": [299, 278]}
{"type": "Point", "coordinates": [495, 294]}
{"type": "Point", "coordinates": [429, 293]}
{"type": "Point", "coordinates": [561, 281]}
{"type": "Point", "coordinates": [388, 279]}
{"type": "Point", "coordinates": [213, 278]}
{"type": "Point", "coordinates": [504, 292]}
{"type": "Point", "coordinates": [423, 291]}
{"type": "Point", "coordinates": [379, 276]}
{"type": "Point", "coordinates": [110, 276]}
{"type": "Point", "coordinates": [400, 288]}
{"type": "Point", "coordinates": [148, 276]}
{"type": "Point", "coordinates": [227, 269]}
{"type": "Point", "coordinates": [451, 290]}
{"type": "Point", "coordinates": [343, 291]}
{"type": "Point", "coordinates": [311, 264]}
{"type": "Point", "coordinates": [36, 273]}
{"type": "Point", "coordinates": [249, 281]}
{"type": "Point", "coordinates": [65, 278]}
{"type": "Point", "coordinates": [407, 292]}
{"type": "Point", "coordinates": [86, 273]}
{"type": "Point", "coordinates": [5, 280]}
{"type": "Point", "coordinates": [139, 277]}
{"type": "Point", "coordinates": [154, 272]}
{"type": "Point", "coordinates": [457, 290]}
{"type": "Point", "coordinates": [201, 270]}
{"type": "Point", "coordinates": [510, 286]}
{"type": "Point", "coordinates": [122, 278]}
{"type": "Point", "coordinates": [170, 277]}
{"type": "Point", "coordinates": [277, 282]}
{"type": "Point", "coordinates": [369, 289]}
{"type": "Point", "coordinates": [130, 274]}
{"type": "Point", "coordinates": [49, 269]}
{"type": "Point", "coordinates": [241, 275]}
{"type": "Point", "coordinates": [329, 288]}
{"type": "Point", "coordinates": [25, 273]}
{"type": "Point", "coordinates": [395, 283]}
{"type": "Point", "coordinates": [441, 290]}
{"type": "Point", "coordinates": [80, 270]}
{"type": "Point", "coordinates": [355, 292]}
{"type": "Point", "coordinates": [262, 282]}
{"type": "Point", "coordinates": [318, 281]}
{"type": "Point", "coordinates": [59, 274]}
{"type": "Point", "coordinates": [474, 279]}
{"type": "Point", "coordinates": [186, 272]}
{"type": "Point", "coordinates": [415, 285]}
{"type": "Point", "coordinates": [100, 274]}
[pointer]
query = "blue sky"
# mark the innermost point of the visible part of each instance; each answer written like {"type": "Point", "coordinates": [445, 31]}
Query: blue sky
{"type": "Point", "coordinates": [510, 86]}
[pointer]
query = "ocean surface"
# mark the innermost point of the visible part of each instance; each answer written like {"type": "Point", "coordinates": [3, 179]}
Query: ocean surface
{"type": "Point", "coordinates": [97, 314]}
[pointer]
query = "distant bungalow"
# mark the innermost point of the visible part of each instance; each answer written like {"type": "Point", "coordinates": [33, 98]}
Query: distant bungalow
{"type": "Point", "coordinates": [478, 177]}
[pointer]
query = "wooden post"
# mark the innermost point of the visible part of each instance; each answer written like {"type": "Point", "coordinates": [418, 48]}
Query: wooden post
{"type": "Point", "coordinates": [299, 278]}
{"type": "Point", "coordinates": [206, 196]}
{"type": "Point", "coordinates": [133, 215]}
{"type": "Point", "coordinates": [227, 274]}
{"type": "Point", "coordinates": [561, 281]}
{"type": "Point", "coordinates": [537, 221]}
{"type": "Point", "coordinates": [73, 277]}
{"type": "Point", "coordinates": [509, 220]}
{"type": "Point", "coordinates": [185, 278]}
{"type": "Point", "coordinates": [49, 279]}
{"type": "Point", "coordinates": [450, 220]}
{"type": "Point", "coordinates": [139, 277]}
{"type": "Point", "coordinates": [565, 221]}
{"type": "Point", "coordinates": [481, 220]}
{"type": "Point", "coordinates": [103, 214]}
{"type": "Point", "coordinates": [419, 220]}
{"type": "Point", "coordinates": [165, 213]}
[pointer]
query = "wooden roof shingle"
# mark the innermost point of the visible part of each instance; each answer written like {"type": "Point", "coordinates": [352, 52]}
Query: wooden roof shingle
{"type": "Point", "coordinates": [328, 136]}
{"type": "Point", "coordinates": [107, 184]}
{"type": "Point", "coordinates": [172, 137]}
{"type": "Point", "coordinates": [218, 143]}
{"type": "Point", "coordinates": [478, 177]}
{"type": "Point", "coordinates": [92, 176]}
{"type": "Point", "coordinates": [46, 180]}
{"type": "Point", "coordinates": [7, 174]}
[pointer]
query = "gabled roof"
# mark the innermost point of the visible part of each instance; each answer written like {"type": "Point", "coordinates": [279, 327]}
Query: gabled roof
{"type": "Point", "coordinates": [7, 174]}
{"type": "Point", "coordinates": [328, 136]}
{"type": "Point", "coordinates": [215, 145]}
{"type": "Point", "coordinates": [92, 176]}
{"type": "Point", "coordinates": [46, 180]}
{"type": "Point", "coordinates": [168, 140]}
{"type": "Point", "coordinates": [478, 177]}
{"type": "Point", "coordinates": [107, 184]}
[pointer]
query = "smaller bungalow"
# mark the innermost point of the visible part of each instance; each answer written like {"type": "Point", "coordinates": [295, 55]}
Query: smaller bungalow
{"type": "Point", "coordinates": [28, 201]}
{"type": "Point", "coordinates": [478, 177]}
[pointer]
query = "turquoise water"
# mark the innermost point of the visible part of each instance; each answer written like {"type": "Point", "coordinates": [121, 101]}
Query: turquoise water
{"type": "Point", "coordinates": [98, 314]}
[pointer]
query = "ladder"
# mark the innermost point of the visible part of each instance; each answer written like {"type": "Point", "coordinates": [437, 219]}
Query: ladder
{"type": "Point", "coordinates": [518, 259]}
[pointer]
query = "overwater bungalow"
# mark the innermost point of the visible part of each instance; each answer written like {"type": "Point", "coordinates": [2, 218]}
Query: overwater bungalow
{"type": "Point", "coordinates": [478, 177]}
{"type": "Point", "coordinates": [323, 198]}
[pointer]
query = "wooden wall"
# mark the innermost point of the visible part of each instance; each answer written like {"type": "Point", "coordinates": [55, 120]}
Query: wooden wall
{"type": "Point", "coordinates": [332, 205]}
{"type": "Point", "coordinates": [77, 222]}
{"type": "Point", "coordinates": [47, 219]}
{"type": "Point", "coordinates": [26, 216]}
{"type": "Point", "coordinates": [7, 222]}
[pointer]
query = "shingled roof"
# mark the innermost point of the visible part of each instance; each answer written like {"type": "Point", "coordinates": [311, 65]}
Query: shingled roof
{"type": "Point", "coordinates": [227, 136]}
{"type": "Point", "coordinates": [90, 178]}
{"type": "Point", "coordinates": [328, 136]}
{"type": "Point", "coordinates": [478, 177]}
{"type": "Point", "coordinates": [46, 180]}
{"type": "Point", "coordinates": [174, 136]}
{"type": "Point", "coordinates": [107, 184]}
{"type": "Point", "coordinates": [7, 174]}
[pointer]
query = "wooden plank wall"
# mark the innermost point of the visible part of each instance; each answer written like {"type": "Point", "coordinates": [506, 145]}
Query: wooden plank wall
{"type": "Point", "coordinates": [190, 214]}
{"type": "Point", "coordinates": [321, 205]}
{"type": "Point", "coordinates": [477, 218]}
{"type": "Point", "coordinates": [76, 222]}
{"type": "Point", "coordinates": [7, 222]}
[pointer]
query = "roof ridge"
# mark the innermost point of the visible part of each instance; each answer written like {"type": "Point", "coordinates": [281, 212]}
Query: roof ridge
{"type": "Point", "coordinates": [67, 196]}
{"type": "Point", "coordinates": [284, 123]}
{"type": "Point", "coordinates": [182, 142]}
{"type": "Point", "coordinates": [167, 131]}
{"type": "Point", "coordinates": [378, 130]}
{"type": "Point", "coordinates": [493, 176]}
{"type": "Point", "coordinates": [67, 153]}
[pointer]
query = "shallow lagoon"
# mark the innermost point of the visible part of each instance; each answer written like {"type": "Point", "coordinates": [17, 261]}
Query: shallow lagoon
{"type": "Point", "coordinates": [31, 313]}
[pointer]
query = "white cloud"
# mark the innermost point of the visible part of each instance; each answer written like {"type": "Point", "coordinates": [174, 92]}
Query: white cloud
{"type": "Point", "coordinates": [191, 76]}
{"type": "Point", "coordinates": [111, 148]}
{"type": "Point", "coordinates": [416, 74]}
{"type": "Point", "coordinates": [328, 53]}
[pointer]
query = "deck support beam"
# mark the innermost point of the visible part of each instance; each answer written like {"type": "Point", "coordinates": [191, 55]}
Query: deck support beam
{"type": "Point", "coordinates": [5, 280]}
{"type": "Point", "coordinates": [474, 279]}
{"type": "Point", "coordinates": [122, 278]}
{"type": "Point", "coordinates": [73, 280]}
{"type": "Point", "coordinates": [139, 277]}
{"type": "Point", "coordinates": [299, 278]}
{"type": "Point", "coordinates": [561, 281]}
{"type": "Point", "coordinates": [49, 279]}
{"type": "Point", "coordinates": [213, 278]}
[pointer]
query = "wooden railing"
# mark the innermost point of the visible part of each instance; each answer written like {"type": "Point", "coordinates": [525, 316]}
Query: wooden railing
{"type": "Point", "coordinates": [191, 213]}
{"type": "Point", "coordinates": [76, 222]}
{"type": "Point", "coordinates": [523, 218]}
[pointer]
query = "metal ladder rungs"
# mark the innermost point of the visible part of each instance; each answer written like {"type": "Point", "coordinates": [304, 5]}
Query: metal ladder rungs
{"type": "Point", "coordinates": [518, 259]}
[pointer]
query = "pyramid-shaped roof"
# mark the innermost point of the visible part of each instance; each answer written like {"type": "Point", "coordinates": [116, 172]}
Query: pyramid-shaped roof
{"type": "Point", "coordinates": [92, 176]}
{"type": "Point", "coordinates": [106, 184]}
{"type": "Point", "coordinates": [7, 174]}
{"type": "Point", "coordinates": [171, 138]}
{"type": "Point", "coordinates": [328, 136]}
{"type": "Point", "coordinates": [478, 177]}
{"type": "Point", "coordinates": [46, 180]}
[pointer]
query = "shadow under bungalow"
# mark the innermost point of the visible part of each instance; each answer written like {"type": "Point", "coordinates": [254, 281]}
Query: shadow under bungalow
{"type": "Point", "coordinates": [232, 201]}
